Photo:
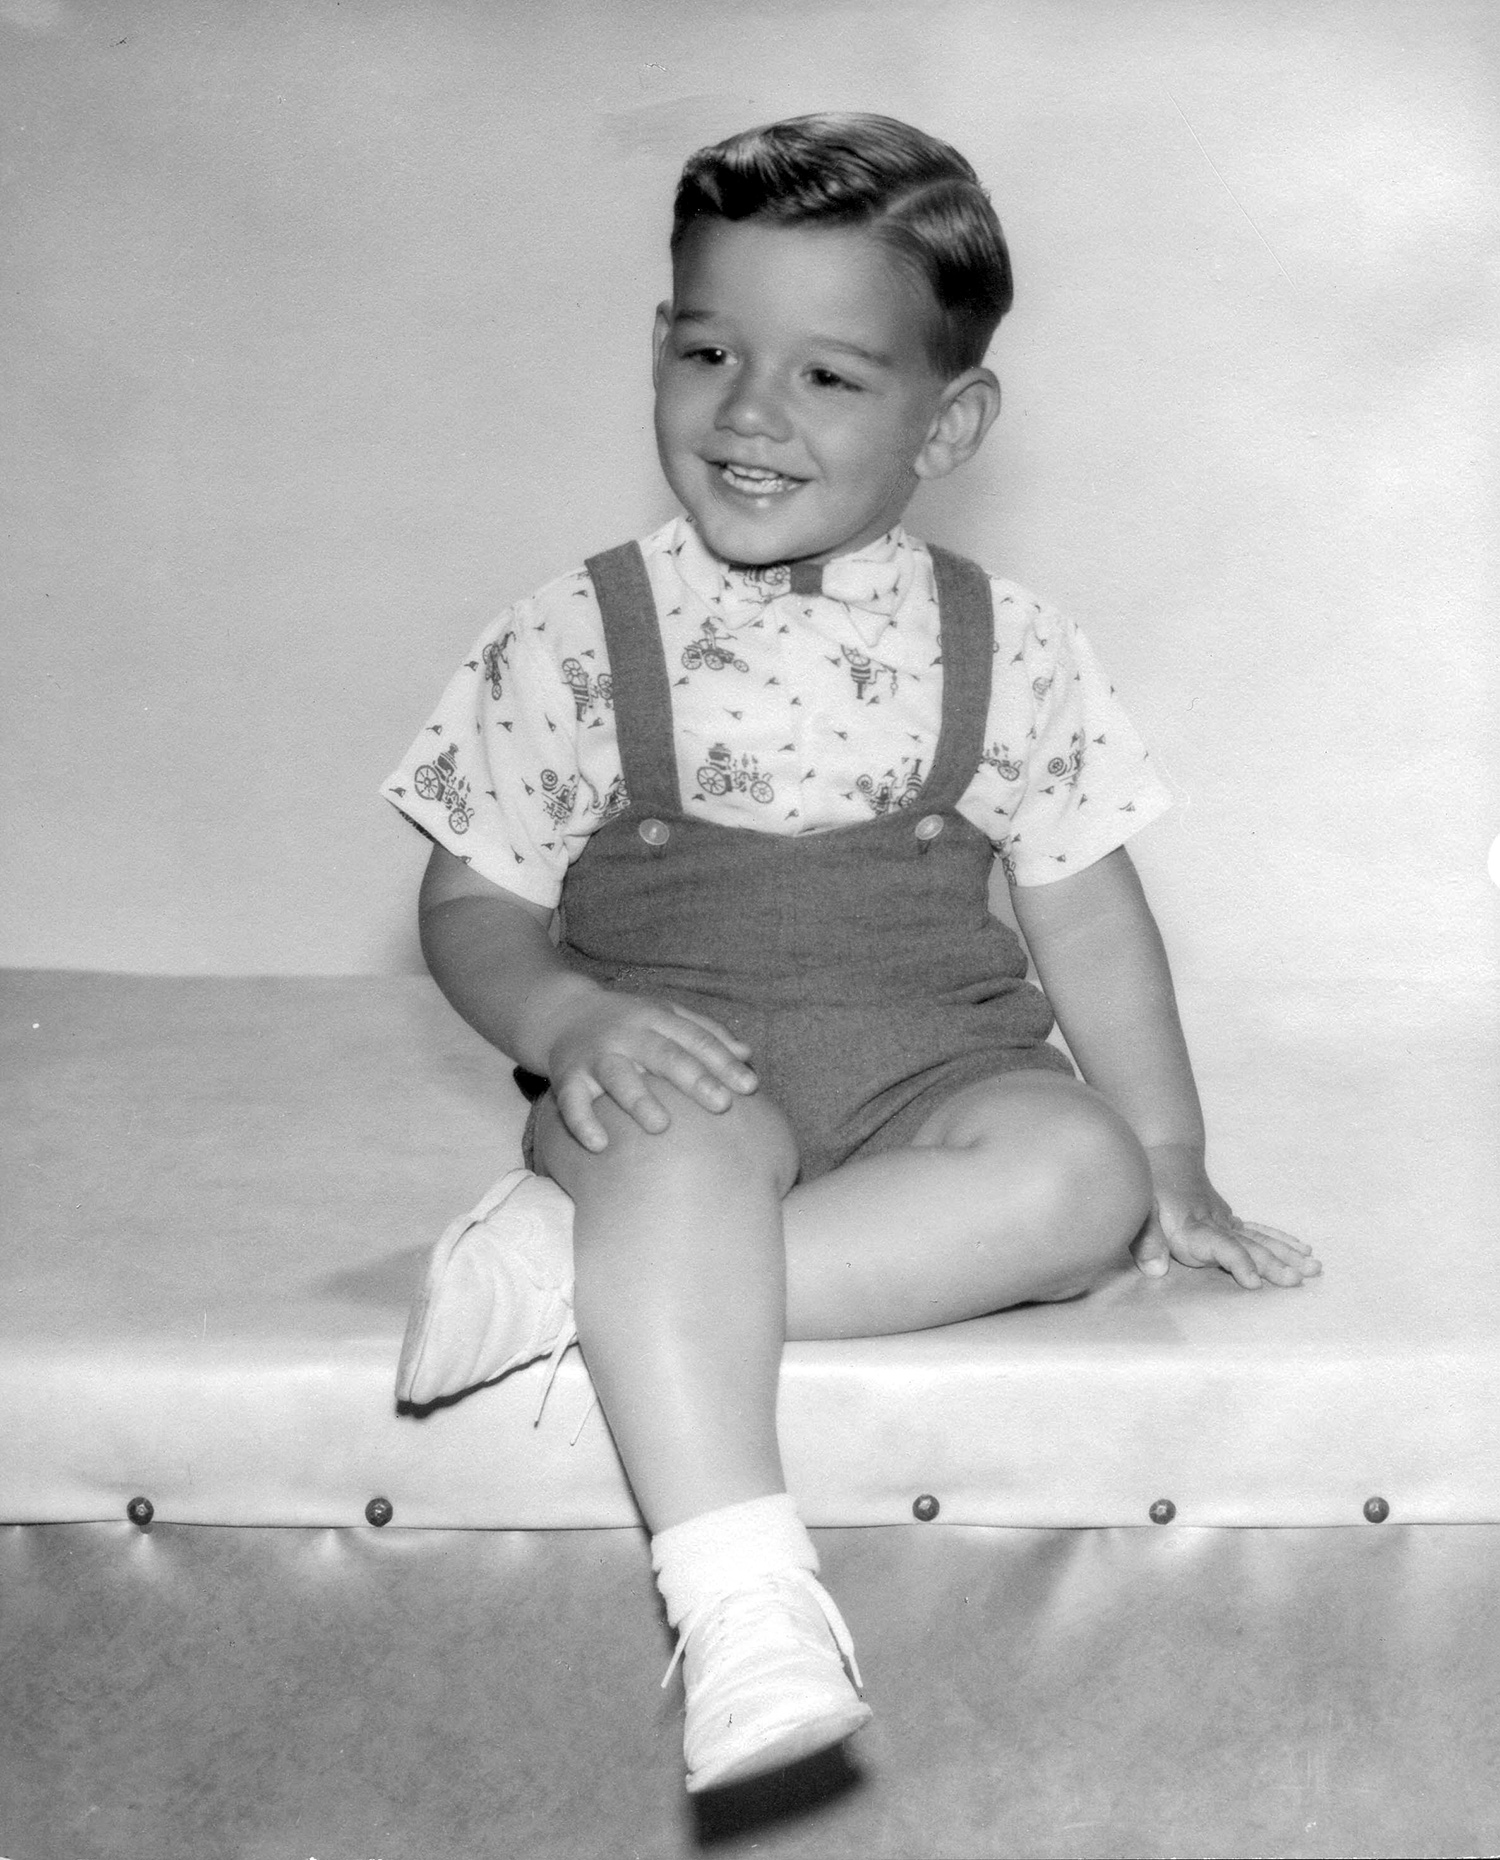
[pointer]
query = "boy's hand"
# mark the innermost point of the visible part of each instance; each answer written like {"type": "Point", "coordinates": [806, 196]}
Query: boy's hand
{"type": "Point", "coordinates": [611, 1045]}
{"type": "Point", "coordinates": [1192, 1223]}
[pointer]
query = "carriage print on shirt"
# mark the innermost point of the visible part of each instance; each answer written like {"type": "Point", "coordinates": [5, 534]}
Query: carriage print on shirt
{"type": "Point", "coordinates": [587, 691]}
{"type": "Point", "coordinates": [439, 780]}
{"type": "Point", "coordinates": [1005, 765]}
{"type": "Point", "coordinates": [711, 653]}
{"type": "Point", "coordinates": [496, 658]}
{"type": "Point", "coordinates": [1068, 768]}
{"type": "Point", "coordinates": [723, 771]}
{"type": "Point", "coordinates": [896, 788]}
{"type": "Point", "coordinates": [868, 675]}
{"type": "Point", "coordinates": [560, 797]}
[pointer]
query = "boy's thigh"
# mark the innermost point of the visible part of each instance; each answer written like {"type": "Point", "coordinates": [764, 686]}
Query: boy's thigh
{"type": "Point", "coordinates": [1016, 1106]}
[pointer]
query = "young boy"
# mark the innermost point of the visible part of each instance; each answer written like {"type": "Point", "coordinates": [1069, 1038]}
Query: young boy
{"type": "Point", "coordinates": [762, 763]}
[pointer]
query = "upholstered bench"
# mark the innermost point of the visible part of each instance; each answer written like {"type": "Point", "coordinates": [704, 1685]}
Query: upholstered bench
{"type": "Point", "coordinates": [219, 1196]}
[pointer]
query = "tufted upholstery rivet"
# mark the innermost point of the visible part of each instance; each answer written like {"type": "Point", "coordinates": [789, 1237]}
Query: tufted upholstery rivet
{"type": "Point", "coordinates": [925, 1508]}
{"type": "Point", "coordinates": [379, 1511]}
{"type": "Point", "coordinates": [140, 1511]}
{"type": "Point", "coordinates": [1163, 1511]}
{"type": "Point", "coordinates": [1377, 1510]}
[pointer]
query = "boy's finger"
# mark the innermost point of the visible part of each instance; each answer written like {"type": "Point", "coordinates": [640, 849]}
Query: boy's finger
{"type": "Point", "coordinates": [679, 1067]}
{"type": "Point", "coordinates": [1287, 1268]}
{"type": "Point", "coordinates": [575, 1104]}
{"type": "Point", "coordinates": [1235, 1259]}
{"type": "Point", "coordinates": [1151, 1252]}
{"type": "Point", "coordinates": [1275, 1233]}
{"type": "Point", "coordinates": [1276, 1270]}
{"type": "Point", "coordinates": [1299, 1258]}
{"type": "Point", "coordinates": [621, 1079]}
{"type": "Point", "coordinates": [721, 1034]}
{"type": "Point", "coordinates": [706, 1050]}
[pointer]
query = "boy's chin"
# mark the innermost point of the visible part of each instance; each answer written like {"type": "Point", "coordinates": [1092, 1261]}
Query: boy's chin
{"type": "Point", "coordinates": [750, 545]}
{"type": "Point", "coordinates": [747, 545]}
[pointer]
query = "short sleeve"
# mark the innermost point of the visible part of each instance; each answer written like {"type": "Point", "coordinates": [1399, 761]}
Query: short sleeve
{"type": "Point", "coordinates": [516, 767]}
{"type": "Point", "coordinates": [1087, 780]}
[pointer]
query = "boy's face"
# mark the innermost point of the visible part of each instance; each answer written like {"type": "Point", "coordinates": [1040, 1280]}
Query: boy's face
{"type": "Point", "coordinates": [796, 409]}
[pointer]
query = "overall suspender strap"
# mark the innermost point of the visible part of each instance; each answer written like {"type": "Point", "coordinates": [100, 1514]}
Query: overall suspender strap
{"type": "Point", "coordinates": [642, 694]}
{"type": "Point", "coordinates": [966, 615]}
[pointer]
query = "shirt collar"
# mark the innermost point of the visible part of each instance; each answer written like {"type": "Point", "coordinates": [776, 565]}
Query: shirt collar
{"type": "Point", "coordinates": [870, 583]}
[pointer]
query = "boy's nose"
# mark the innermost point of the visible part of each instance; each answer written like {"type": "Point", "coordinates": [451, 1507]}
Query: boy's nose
{"type": "Point", "coordinates": [753, 409]}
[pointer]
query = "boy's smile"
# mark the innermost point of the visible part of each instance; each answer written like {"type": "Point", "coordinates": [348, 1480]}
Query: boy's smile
{"type": "Point", "coordinates": [796, 406]}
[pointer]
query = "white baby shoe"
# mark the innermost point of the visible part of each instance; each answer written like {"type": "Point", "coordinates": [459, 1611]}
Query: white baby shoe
{"type": "Point", "coordinates": [497, 1293]}
{"type": "Point", "coordinates": [764, 1671]}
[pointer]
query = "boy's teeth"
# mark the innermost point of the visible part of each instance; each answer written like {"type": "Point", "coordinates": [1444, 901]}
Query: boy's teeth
{"type": "Point", "coordinates": [756, 478]}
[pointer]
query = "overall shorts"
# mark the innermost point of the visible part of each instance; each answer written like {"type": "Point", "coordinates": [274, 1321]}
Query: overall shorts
{"type": "Point", "coordinates": [861, 965]}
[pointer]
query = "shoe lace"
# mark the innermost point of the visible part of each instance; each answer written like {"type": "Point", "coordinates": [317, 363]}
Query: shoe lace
{"type": "Point", "coordinates": [566, 1338]}
{"type": "Point", "coordinates": [723, 1608]}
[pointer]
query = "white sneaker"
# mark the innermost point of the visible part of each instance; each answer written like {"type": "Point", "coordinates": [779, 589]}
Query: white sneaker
{"type": "Point", "coordinates": [764, 1672]}
{"type": "Point", "coordinates": [497, 1293]}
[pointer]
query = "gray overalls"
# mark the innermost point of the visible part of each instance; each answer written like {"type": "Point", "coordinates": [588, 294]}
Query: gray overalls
{"type": "Point", "coordinates": [861, 965]}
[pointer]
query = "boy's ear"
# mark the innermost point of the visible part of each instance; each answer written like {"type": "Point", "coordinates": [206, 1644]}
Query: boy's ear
{"type": "Point", "coordinates": [965, 414]}
{"type": "Point", "coordinates": [659, 334]}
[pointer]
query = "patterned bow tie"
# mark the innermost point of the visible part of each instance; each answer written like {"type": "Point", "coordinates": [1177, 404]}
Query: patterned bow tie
{"type": "Point", "coordinates": [871, 591]}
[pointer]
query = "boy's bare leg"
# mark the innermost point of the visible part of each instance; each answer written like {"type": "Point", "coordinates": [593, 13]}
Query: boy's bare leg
{"type": "Point", "coordinates": [680, 1294]}
{"type": "Point", "coordinates": [1023, 1187]}
{"type": "Point", "coordinates": [693, 1262]}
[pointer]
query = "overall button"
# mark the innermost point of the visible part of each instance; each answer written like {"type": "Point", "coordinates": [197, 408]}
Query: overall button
{"type": "Point", "coordinates": [929, 827]}
{"type": "Point", "coordinates": [654, 832]}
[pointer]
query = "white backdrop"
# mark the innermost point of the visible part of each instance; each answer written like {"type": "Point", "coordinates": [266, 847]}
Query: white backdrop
{"type": "Point", "coordinates": [329, 336]}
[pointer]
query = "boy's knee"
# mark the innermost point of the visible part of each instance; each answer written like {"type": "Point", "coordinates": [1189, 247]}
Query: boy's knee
{"type": "Point", "coordinates": [1107, 1159]}
{"type": "Point", "coordinates": [1099, 1195]}
{"type": "Point", "coordinates": [1084, 1167]}
{"type": "Point", "coordinates": [751, 1141]}
{"type": "Point", "coordinates": [1101, 1176]}
{"type": "Point", "coordinates": [752, 1138]}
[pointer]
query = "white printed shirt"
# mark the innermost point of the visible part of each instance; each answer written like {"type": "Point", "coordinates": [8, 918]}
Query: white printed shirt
{"type": "Point", "coordinates": [793, 714]}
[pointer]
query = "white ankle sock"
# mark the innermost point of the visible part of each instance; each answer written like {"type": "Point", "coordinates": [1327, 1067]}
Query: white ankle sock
{"type": "Point", "coordinates": [717, 1551]}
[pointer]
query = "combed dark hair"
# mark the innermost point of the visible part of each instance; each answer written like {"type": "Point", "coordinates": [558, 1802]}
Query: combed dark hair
{"type": "Point", "coordinates": [917, 195]}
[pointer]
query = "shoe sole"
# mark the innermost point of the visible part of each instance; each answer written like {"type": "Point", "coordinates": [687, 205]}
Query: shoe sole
{"type": "Point", "coordinates": [797, 1741]}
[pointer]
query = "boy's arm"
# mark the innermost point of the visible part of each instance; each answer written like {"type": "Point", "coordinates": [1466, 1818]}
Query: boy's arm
{"type": "Point", "coordinates": [491, 953]}
{"type": "Point", "coordinates": [1102, 967]}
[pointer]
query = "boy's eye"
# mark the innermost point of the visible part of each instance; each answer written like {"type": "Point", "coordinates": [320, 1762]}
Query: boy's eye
{"type": "Point", "coordinates": [707, 352]}
{"type": "Point", "coordinates": [825, 377]}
